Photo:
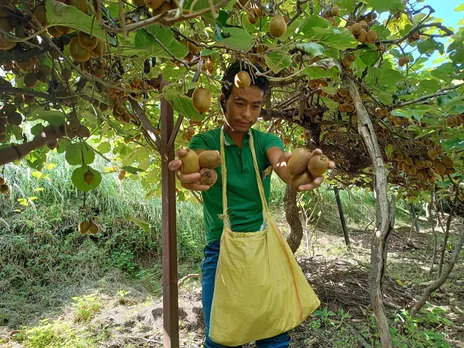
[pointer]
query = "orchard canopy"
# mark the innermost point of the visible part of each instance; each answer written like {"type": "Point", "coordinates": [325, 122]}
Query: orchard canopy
{"type": "Point", "coordinates": [94, 72]}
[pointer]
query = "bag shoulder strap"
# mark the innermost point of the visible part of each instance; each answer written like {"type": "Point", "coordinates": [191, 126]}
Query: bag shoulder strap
{"type": "Point", "coordinates": [224, 178]}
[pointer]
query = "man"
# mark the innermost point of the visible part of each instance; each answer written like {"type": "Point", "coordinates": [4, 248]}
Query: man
{"type": "Point", "coordinates": [241, 109]}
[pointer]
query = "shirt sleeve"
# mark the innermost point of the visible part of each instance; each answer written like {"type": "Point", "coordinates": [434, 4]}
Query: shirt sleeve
{"type": "Point", "coordinates": [271, 140]}
{"type": "Point", "coordinates": [199, 142]}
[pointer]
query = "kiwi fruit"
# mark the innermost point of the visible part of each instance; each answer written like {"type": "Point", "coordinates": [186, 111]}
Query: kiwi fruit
{"type": "Point", "coordinates": [371, 36]}
{"type": "Point", "coordinates": [66, 74]}
{"type": "Point", "coordinates": [27, 64]}
{"type": "Point", "coordinates": [138, 3]}
{"type": "Point", "coordinates": [252, 15]}
{"type": "Point", "coordinates": [63, 30]}
{"type": "Point", "coordinates": [88, 177]}
{"type": "Point", "coordinates": [30, 80]}
{"type": "Point", "coordinates": [335, 10]}
{"type": "Point", "coordinates": [242, 80]}
{"type": "Point", "coordinates": [301, 179]}
{"type": "Point", "coordinates": [298, 161]}
{"type": "Point", "coordinates": [100, 49]}
{"type": "Point", "coordinates": [15, 118]}
{"type": "Point", "coordinates": [209, 159]}
{"type": "Point", "coordinates": [154, 4]}
{"type": "Point", "coordinates": [39, 14]}
{"type": "Point", "coordinates": [362, 37]}
{"type": "Point", "coordinates": [4, 189]}
{"type": "Point", "coordinates": [318, 165]}
{"type": "Point", "coordinates": [356, 29]}
{"type": "Point", "coordinates": [42, 76]}
{"type": "Point", "coordinates": [122, 174]}
{"type": "Point", "coordinates": [440, 168]}
{"type": "Point", "coordinates": [93, 229]}
{"type": "Point", "coordinates": [403, 61]}
{"type": "Point", "coordinates": [201, 99]}
{"type": "Point", "coordinates": [78, 53]}
{"type": "Point", "coordinates": [208, 176]}
{"type": "Point", "coordinates": [2, 181]}
{"type": "Point", "coordinates": [163, 8]}
{"type": "Point", "coordinates": [83, 132]}
{"type": "Point", "coordinates": [86, 41]}
{"type": "Point", "coordinates": [278, 26]}
{"type": "Point", "coordinates": [79, 4]}
{"type": "Point", "coordinates": [84, 227]}
{"type": "Point", "coordinates": [190, 162]}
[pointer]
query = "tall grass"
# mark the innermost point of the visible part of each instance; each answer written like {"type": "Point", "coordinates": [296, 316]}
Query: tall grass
{"type": "Point", "coordinates": [44, 260]}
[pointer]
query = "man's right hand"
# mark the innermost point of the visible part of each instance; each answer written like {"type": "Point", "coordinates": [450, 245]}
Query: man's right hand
{"type": "Point", "coordinates": [188, 181]}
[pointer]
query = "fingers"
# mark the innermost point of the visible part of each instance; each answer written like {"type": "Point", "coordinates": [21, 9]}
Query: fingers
{"type": "Point", "coordinates": [189, 178]}
{"type": "Point", "coordinates": [316, 183]}
{"type": "Point", "coordinates": [196, 187]}
{"type": "Point", "coordinates": [181, 152]}
{"type": "Point", "coordinates": [175, 165]}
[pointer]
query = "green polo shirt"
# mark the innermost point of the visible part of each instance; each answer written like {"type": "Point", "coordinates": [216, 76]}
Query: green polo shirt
{"type": "Point", "coordinates": [245, 208]}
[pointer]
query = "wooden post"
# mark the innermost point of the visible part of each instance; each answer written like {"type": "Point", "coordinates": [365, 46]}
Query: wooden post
{"type": "Point", "coordinates": [170, 290]}
{"type": "Point", "coordinates": [342, 216]}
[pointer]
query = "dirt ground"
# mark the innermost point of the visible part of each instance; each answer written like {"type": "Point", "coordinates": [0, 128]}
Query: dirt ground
{"type": "Point", "coordinates": [338, 274]}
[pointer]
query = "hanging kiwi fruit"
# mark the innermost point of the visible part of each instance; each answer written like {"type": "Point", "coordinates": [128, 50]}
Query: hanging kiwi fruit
{"type": "Point", "coordinates": [201, 99]}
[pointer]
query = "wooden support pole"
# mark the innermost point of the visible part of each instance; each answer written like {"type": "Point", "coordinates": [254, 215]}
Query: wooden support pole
{"type": "Point", "coordinates": [168, 180]}
{"type": "Point", "coordinates": [342, 216]}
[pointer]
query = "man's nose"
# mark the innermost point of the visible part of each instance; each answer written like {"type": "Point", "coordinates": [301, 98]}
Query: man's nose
{"type": "Point", "coordinates": [247, 111]}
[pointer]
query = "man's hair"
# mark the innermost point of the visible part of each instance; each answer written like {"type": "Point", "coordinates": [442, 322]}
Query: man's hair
{"type": "Point", "coordinates": [229, 75]}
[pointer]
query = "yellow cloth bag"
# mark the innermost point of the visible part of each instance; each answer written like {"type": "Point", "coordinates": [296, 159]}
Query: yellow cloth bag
{"type": "Point", "coordinates": [260, 290]}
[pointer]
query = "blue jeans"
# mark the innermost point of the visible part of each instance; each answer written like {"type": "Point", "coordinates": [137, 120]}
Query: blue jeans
{"type": "Point", "coordinates": [208, 268]}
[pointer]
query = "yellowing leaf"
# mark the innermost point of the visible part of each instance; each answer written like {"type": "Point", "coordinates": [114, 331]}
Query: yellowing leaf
{"type": "Point", "coordinates": [37, 175]}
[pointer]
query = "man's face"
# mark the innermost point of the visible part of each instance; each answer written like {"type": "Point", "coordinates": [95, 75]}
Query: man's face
{"type": "Point", "coordinates": [243, 107]}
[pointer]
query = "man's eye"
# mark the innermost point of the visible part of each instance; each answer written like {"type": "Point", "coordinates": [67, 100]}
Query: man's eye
{"type": "Point", "coordinates": [239, 105]}
{"type": "Point", "coordinates": [256, 107]}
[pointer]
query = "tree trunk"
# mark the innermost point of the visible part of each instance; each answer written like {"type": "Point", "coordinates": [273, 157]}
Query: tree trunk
{"type": "Point", "coordinates": [441, 280]}
{"type": "Point", "coordinates": [342, 216]}
{"type": "Point", "coordinates": [414, 217]}
{"type": "Point", "coordinates": [392, 212]}
{"type": "Point", "coordinates": [383, 225]}
{"type": "Point", "coordinates": [292, 214]}
{"type": "Point", "coordinates": [446, 236]}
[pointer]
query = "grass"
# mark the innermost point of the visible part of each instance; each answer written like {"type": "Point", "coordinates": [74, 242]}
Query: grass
{"type": "Point", "coordinates": [48, 268]}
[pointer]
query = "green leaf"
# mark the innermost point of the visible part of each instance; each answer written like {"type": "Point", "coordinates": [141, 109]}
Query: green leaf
{"type": "Point", "coordinates": [55, 118]}
{"type": "Point", "coordinates": [79, 153]}
{"type": "Point", "coordinates": [429, 86]}
{"type": "Point", "coordinates": [456, 143]}
{"type": "Point", "coordinates": [132, 170]}
{"type": "Point", "coordinates": [443, 72]}
{"type": "Point", "coordinates": [277, 61]}
{"type": "Point", "coordinates": [402, 113]}
{"type": "Point", "coordinates": [306, 26]}
{"type": "Point", "coordinates": [59, 13]}
{"type": "Point", "coordinates": [145, 225]}
{"type": "Point", "coordinates": [385, 5]}
{"type": "Point", "coordinates": [104, 147]}
{"type": "Point", "coordinates": [145, 40]}
{"type": "Point", "coordinates": [369, 57]}
{"type": "Point", "coordinates": [460, 8]}
{"type": "Point", "coordinates": [236, 39]}
{"type": "Point", "coordinates": [316, 72]}
{"type": "Point", "coordinates": [429, 46]}
{"type": "Point", "coordinates": [77, 178]}
{"type": "Point", "coordinates": [339, 38]}
{"type": "Point", "coordinates": [182, 104]}
{"type": "Point", "coordinates": [312, 49]}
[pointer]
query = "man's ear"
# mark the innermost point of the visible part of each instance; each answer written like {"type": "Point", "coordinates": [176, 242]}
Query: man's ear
{"type": "Point", "coordinates": [222, 101]}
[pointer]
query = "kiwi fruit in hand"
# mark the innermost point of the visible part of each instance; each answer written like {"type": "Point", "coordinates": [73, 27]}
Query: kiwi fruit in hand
{"type": "Point", "coordinates": [298, 161]}
{"type": "Point", "coordinates": [318, 165]}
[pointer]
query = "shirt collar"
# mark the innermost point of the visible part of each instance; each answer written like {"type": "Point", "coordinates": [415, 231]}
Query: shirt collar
{"type": "Point", "coordinates": [228, 140]}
